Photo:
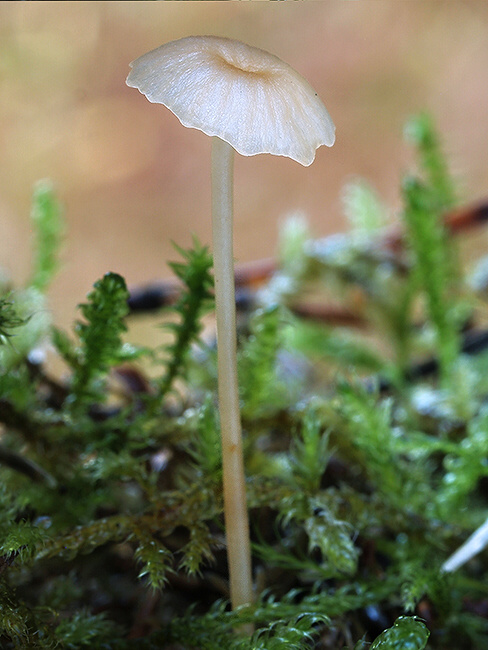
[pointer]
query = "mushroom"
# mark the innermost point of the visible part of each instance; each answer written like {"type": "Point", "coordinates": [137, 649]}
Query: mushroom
{"type": "Point", "coordinates": [252, 102]}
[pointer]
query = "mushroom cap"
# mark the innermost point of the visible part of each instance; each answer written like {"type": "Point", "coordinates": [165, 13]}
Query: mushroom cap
{"type": "Point", "coordinates": [244, 95]}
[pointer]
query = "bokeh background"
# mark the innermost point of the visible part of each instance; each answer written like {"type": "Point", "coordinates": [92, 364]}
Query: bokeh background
{"type": "Point", "coordinates": [132, 179]}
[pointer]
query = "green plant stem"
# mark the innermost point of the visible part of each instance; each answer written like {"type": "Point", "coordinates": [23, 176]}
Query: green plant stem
{"type": "Point", "coordinates": [235, 504]}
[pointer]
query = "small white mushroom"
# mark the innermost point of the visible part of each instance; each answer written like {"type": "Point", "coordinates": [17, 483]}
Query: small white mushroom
{"type": "Point", "coordinates": [252, 102]}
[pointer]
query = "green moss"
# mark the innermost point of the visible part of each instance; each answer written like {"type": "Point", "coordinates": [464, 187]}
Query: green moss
{"type": "Point", "coordinates": [365, 446]}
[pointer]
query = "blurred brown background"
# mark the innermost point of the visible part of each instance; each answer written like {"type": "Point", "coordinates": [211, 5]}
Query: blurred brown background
{"type": "Point", "coordinates": [132, 179]}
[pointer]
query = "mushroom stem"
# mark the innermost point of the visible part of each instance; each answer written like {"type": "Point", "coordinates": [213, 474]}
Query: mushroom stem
{"type": "Point", "coordinates": [235, 504]}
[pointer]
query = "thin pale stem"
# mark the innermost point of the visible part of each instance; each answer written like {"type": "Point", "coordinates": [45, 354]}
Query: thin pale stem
{"type": "Point", "coordinates": [235, 504]}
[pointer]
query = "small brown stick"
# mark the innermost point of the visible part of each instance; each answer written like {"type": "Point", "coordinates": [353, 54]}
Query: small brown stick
{"type": "Point", "coordinates": [250, 276]}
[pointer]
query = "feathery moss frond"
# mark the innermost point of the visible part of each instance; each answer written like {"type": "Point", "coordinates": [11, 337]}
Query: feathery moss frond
{"type": "Point", "coordinates": [197, 551]}
{"type": "Point", "coordinates": [325, 531]}
{"type": "Point", "coordinates": [433, 269]}
{"type": "Point", "coordinates": [420, 130]}
{"type": "Point", "coordinates": [261, 388]}
{"type": "Point", "coordinates": [205, 445]}
{"type": "Point", "coordinates": [49, 226]}
{"type": "Point", "coordinates": [21, 540]}
{"type": "Point", "coordinates": [100, 335]}
{"type": "Point", "coordinates": [363, 207]}
{"type": "Point", "coordinates": [194, 301]}
{"type": "Point", "coordinates": [295, 634]}
{"type": "Point", "coordinates": [309, 453]}
{"type": "Point", "coordinates": [155, 558]}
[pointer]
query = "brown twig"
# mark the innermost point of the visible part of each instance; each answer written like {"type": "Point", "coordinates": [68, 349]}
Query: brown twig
{"type": "Point", "coordinates": [250, 276]}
